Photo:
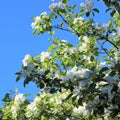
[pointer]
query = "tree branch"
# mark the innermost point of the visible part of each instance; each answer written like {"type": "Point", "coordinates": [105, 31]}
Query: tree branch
{"type": "Point", "coordinates": [67, 23]}
{"type": "Point", "coordinates": [109, 42]}
{"type": "Point", "coordinates": [62, 28]}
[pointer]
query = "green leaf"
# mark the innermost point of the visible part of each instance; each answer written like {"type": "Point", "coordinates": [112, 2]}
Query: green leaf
{"type": "Point", "coordinates": [108, 9]}
{"type": "Point", "coordinates": [18, 78]}
{"type": "Point", "coordinates": [95, 10]}
{"type": "Point", "coordinates": [34, 31]}
{"type": "Point", "coordinates": [6, 98]}
{"type": "Point", "coordinates": [27, 80]}
{"type": "Point", "coordinates": [92, 58]}
{"type": "Point", "coordinates": [74, 6]}
{"type": "Point", "coordinates": [103, 69]}
{"type": "Point", "coordinates": [42, 84]}
{"type": "Point", "coordinates": [87, 14]}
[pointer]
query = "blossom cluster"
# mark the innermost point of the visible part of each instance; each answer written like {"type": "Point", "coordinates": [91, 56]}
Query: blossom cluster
{"type": "Point", "coordinates": [56, 5]}
{"type": "Point", "coordinates": [43, 105]}
{"type": "Point", "coordinates": [77, 81]}
{"type": "Point", "coordinates": [17, 103]}
{"type": "Point", "coordinates": [87, 5]}
{"type": "Point", "coordinates": [38, 19]}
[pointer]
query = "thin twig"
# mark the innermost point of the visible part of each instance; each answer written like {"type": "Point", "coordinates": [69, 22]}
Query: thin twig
{"type": "Point", "coordinates": [109, 41]}
{"type": "Point", "coordinates": [62, 28]}
{"type": "Point", "coordinates": [67, 23]}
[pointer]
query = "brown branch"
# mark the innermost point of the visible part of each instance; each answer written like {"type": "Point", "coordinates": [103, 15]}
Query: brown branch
{"type": "Point", "coordinates": [67, 23]}
{"type": "Point", "coordinates": [109, 41]}
{"type": "Point", "coordinates": [58, 27]}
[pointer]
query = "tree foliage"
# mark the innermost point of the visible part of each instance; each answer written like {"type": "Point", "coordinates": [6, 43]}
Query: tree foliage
{"type": "Point", "coordinates": [80, 81]}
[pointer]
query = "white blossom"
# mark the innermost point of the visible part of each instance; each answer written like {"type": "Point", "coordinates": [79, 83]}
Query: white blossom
{"type": "Point", "coordinates": [31, 110]}
{"type": "Point", "coordinates": [71, 50]}
{"type": "Point", "coordinates": [75, 74]}
{"type": "Point", "coordinates": [81, 110]}
{"type": "Point", "coordinates": [51, 99]}
{"type": "Point", "coordinates": [34, 25]}
{"type": "Point", "coordinates": [44, 55]}
{"type": "Point", "coordinates": [56, 5]}
{"type": "Point", "coordinates": [32, 106]}
{"type": "Point", "coordinates": [82, 4]}
{"type": "Point", "coordinates": [37, 18]}
{"type": "Point", "coordinates": [15, 108]}
{"type": "Point", "coordinates": [26, 59]}
{"type": "Point", "coordinates": [19, 98]}
{"type": "Point", "coordinates": [79, 19]}
{"type": "Point", "coordinates": [106, 25]}
{"type": "Point", "coordinates": [83, 47]}
{"type": "Point", "coordinates": [87, 5]}
{"type": "Point", "coordinates": [86, 39]}
{"type": "Point", "coordinates": [65, 41]}
{"type": "Point", "coordinates": [37, 99]}
{"type": "Point", "coordinates": [87, 58]}
{"type": "Point", "coordinates": [67, 119]}
{"type": "Point", "coordinates": [43, 13]}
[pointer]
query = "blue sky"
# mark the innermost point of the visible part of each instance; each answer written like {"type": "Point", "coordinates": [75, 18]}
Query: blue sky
{"type": "Point", "coordinates": [16, 40]}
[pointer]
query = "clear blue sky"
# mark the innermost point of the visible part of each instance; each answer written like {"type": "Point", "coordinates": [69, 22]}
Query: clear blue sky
{"type": "Point", "coordinates": [16, 40]}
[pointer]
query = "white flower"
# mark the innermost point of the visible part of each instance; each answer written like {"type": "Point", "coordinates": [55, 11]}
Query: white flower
{"type": "Point", "coordinates": [34, 25]}
{"type": "Point", "coordinates": [82, 4]}
{"type": "Point", "coordinates": [51, 99]}
{"type": "Point", "coordinates": [83, 47]}
{"type": "Point", "coordinates": [15, 108]}
{"type": "Point", "coordinates": [87, 5]}
{"type": "Point", "coordinates": [56, 5]}
{"type": "Point", "coordinates": [79, 19]}
{"type": "Point", "coordinates": [26, 59]}
{"type": "Point", "coordinates": [99, 26]}
{"type": "Point", "coordinates": [75, 74]}
{"type": "Point", "coordinates": [71, 50]}
{"type": "Point", "coordinates": [32, 106]}
{"type": "Point", "coordinates": [67, 119]}
{"type": "Point", "coordinates": [43, 13]}
{"type": "Point", "coordinates": [65, 41]}
{"type": "Point", "coordinates": [44, 55]}
{"type": "Point", "coordinates": [58, 101]}
{"type": "Point", "coordinates": [106, 25]}
{"type": "Point", "coordinates": [31, 110]}
{"type": "Point", "coordinates": [42, 94]}
{"type": "Point", "coordinates": [19, 98]}
{"type": "Point", "coordinates": [37, 99]}
{"type": "Point", "coordinates": [81, 110]}
{"type": "Point", "coordinates": [37, 18]}
{"type": "Point", "coordinates": [86, 39]}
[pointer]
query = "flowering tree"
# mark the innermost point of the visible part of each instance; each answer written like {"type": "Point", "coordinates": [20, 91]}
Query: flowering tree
{"type": "Point", "coordinates": [79, 81]}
